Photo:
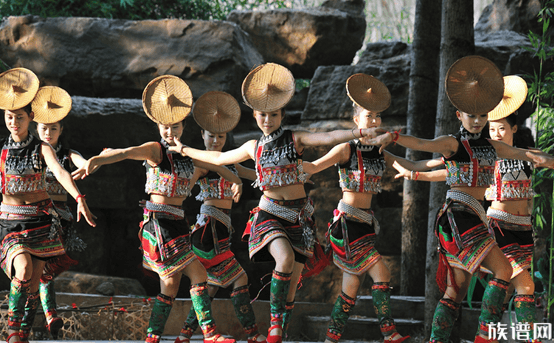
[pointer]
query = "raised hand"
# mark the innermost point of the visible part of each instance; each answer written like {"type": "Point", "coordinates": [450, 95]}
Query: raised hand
{"type": "Point", "coordinates": [178, 147]}
{"type": "Point", "coordinates": [402, 172]}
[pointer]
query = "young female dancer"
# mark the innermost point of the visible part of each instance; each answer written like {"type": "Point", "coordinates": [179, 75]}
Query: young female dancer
{"type": "Point", "coordinates": [165, 232]}
{"type": "Point", "coordinates": [462, 225]}
{"type": "Point", "coordinates": [218, 113]}
{"type": "Point", "coordinates": [28, 222]}
{"type": "Point", "coordinates": [281, 228]}
{"type": "Point", "coordinates": [353, 230]}
{"type": "Point", "coordinates": [511, 193]}
{"type": "Point", "coordinates": [49, 129]}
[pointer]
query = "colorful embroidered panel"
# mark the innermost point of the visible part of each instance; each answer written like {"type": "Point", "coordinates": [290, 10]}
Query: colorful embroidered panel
{"type": "Point", "coordinates": [364, 169]}
{"type": "Point", "coordinates": [512, 181]}
{"type": "Point", "coordinates": [172, 176]}
{"type": "Point", "coordinates": [213, 186]}
{"type": "Point", "coordinates": [22, 166]}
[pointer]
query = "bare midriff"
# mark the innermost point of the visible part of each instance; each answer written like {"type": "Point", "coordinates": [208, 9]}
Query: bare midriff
{"type": "Point", "coordinates": [24, 198]}
{"type": "Point", "coordinates": [517, 207]}
{"type": "Point", "coordinates": [357, 199]}
{"type": "Point", "coordinates": [160, 199]}
{"type": "Point", "coordinates": [219, 203]}
{"type": "Point", "coordinates": [291, 192]}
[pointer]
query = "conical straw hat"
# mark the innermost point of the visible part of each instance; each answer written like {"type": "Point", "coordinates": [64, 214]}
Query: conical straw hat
{"type": "Point", "coordinates": [474, 85]}
{"type": "Point", "coordinates": [268, 87]}
{"type": "Point", "coordinates": [368, 92]}
{"type": "Point", "coordinates": [167, 100]}
{"type": "Point", "coordinates": [18, 87]}
{"type": "Point", "coordinates": [515, 93]}
{"type": "Point", "coordinates": [217, 112]}
{"type": "Point", "coordinates": [51, 104]}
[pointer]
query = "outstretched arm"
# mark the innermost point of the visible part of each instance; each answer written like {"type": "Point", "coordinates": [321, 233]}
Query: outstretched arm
{"type": "Point", "coordinates": [539, 158]}
{"type": "Point", "coordinates": [148, 151]}
{"type": "Point", "coordinates": [237, 155]}
{"type": "Point", "coordinates": [339, 154]}
{"type": "Point", "coordinates": [435, 175]}
{"type": "Point", "coordinates": [304, 138]}
{"type": "Point", "coordinates": [421, 165]}
{"type": "Point", "coordinates": [67, 182]}
{"type": "Point", "coordinates": [445, 145]}
{"type": "Point", "coordinates": [246, 173]}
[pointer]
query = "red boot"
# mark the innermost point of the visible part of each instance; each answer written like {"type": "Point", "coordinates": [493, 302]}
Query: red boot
{"type": "Point", "coordinates": [218, 339]}
{"type": "Point", "coordinates": [396, 338]}
{"type": "Point", "coordinates": [274, 338]}
{"type": "Point", "coordinates": [255, 339]}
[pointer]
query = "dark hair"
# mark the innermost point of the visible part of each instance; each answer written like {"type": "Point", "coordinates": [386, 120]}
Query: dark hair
{"type": "Point", "coordinates": [28, 108]}
{"type": "Point", "coordinates": [512, 119]}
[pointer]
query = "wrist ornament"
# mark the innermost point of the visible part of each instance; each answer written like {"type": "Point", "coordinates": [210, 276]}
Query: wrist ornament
{"type": "Point", "coordinates": [79, 197]}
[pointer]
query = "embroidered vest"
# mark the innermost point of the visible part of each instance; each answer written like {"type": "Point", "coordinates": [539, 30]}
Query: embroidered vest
{"type": "Point", "coordinates": [473, 164]}
{"type": "Point", "coordinates": [213, 186]}
{"type": "Point", "coordinates": [512, 181]}
{"type": "Point", "coordinates": [277, 161]}
{"type": "Point", "coordinates": [52, 184]}
{"type": "Point", "coordinates": [364, 169]}
{"type": "Point", "coordinates": [170, 178]}
{"type": "Point", "coordinates": [22, 167]}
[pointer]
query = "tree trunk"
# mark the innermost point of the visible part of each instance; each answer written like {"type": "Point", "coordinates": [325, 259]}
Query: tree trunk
{"type": "Point", "coordinates": [457, 41]}
{"type": "Point", "coordinates": [422, 104]}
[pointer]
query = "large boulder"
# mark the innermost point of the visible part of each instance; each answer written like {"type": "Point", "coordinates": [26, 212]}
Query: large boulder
{"type": "Point", "coordinates": [513, 15]}
{"type": "Point", "coordinates": [306, 38]}
{"type": "Point", "coordinates": [117, 58]}
{"type": "Point", "coordinates": [72, 282]}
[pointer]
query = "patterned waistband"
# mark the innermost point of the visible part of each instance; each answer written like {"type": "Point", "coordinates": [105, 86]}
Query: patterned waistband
{"type": "Point", "coordinates": [470, 201]}
{"type": "Point", "coordinates": [279, 208]}
{"type": "Point", "coordinates": [361, 215]}
{"type": "Point", "coordinates": [217, 213]}
{"type": "Point", "coordinates": [34, 209]}
{"type": "Point", "coordinates": [165, 208]}
{"type": "Point", "coordinates": [509, 217]}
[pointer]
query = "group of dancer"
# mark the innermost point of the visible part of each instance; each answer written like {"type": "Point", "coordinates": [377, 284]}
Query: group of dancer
{"type": "Point", "coordinates": [281, 228]}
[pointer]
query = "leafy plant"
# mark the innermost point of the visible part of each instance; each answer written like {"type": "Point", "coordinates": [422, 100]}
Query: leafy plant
{"type": "Point", "coordinates": [541, 93]}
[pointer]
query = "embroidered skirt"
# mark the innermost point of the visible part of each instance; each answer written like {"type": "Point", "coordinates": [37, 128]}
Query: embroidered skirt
{"type": "Point", "coordinates": [514, 236]}
{"type": "Point", "coordinates": [165, 240]}
{"type": "Point", "coordinates": [290, 219]}
{"type": "Point", "coordinates": [211, 237]}
{"type": "Point", "coordinates": [463, 231]}
{"type": "Point", "coordinates": [29, 229]}
{"type": "Point", "coordinates": [352, 237]}
{"type": "Point", "coordinates": [70, 241]}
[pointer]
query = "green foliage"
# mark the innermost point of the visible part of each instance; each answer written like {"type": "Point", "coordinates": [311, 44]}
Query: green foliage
{"type": "Point", "coordinates": [541, 93]}
{"type": "Point", "coordinates": [133, 9]}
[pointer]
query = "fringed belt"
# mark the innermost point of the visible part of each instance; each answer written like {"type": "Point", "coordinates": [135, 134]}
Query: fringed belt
{"type": "Point", "coordinates": [21, 212]}
{"type": "Point", "coordinates": [356, 214]}
{"type": "Point", "coordinates": [212, 211]}
{"type": "Point", "coordinates": [36, 209]}
{"type": "Point", "coordinates": [165, 208]}
{"type": "Point", "coordinates": [359, 214]}
{"type": "Point", "coordinates": [218, 214]}
{"type": "Point", "coordinates": [291, 215]}
{"type": "Point", "coordinates": [509, 217]}
{"type": "Point", "coordinates": [470, 201]}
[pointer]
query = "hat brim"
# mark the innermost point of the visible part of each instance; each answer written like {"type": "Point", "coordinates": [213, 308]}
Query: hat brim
{"type": "Point", "coordinates": [268, 87]}
{"type": "Point", "coordinates": [216, 112]}
{"type": "Point", "coordinates": [18, 87]}
{"type": "Point", "coordinates": [368, 92]}
{"type": "Point", "coordinates": [474, 85]}
{"type": "Point", "coordinates": [515, 93]}
{"type": "Point", "coordinates": [51, 104]}
{"type": "Point", "coordinates": [167, 100]}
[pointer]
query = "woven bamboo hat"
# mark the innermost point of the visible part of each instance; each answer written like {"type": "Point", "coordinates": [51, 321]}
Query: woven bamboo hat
{"type": "Point", "coordinates": [18, 87]}
{"type": "Point", "coordinates": [515, 93]}
{"type": "Point", "coordinates": [51, 104]}
{"type": "Point", "coordinates": [167, 100]}
{"type": "Point", "coordinates": [268, 87]}
{"type": "Point", "coordinates": [368, 92]}
{"type": "Point", "coordinates": [474, 85]}
{"type": "Point", "coordinates": [217, 112]}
